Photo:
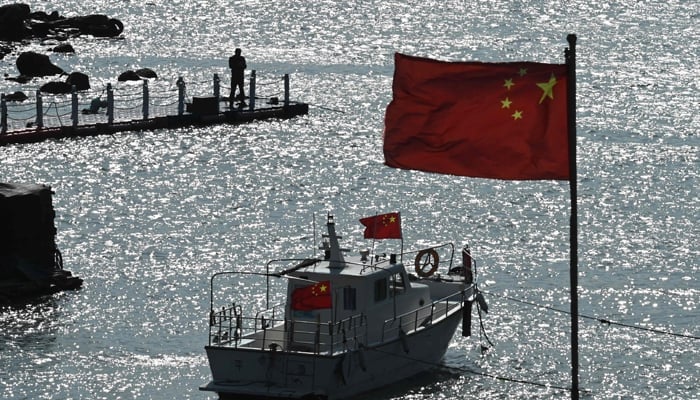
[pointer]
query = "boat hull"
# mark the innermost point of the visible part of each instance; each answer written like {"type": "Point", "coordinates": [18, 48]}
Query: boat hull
{"type": "Point", "coordinates": [262, 373]}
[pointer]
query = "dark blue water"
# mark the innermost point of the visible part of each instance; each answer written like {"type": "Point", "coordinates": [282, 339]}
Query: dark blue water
{"type": "Point", "coordinates": [146, 218]}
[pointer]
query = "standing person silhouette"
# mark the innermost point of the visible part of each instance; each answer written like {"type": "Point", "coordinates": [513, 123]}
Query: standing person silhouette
{"type": "Point", "coordinates": [237, 64]}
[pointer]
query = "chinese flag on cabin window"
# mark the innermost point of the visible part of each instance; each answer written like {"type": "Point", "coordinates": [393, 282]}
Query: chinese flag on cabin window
{"type": "Point", "coordinates": [384, 226]}
{"type": "Point", "coordinates": [312, 297]}
{"type": "Point", "coordinates": [486, 120]}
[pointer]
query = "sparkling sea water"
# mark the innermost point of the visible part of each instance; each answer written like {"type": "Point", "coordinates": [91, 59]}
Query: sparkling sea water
{"type": "Point", "coordinates": [146, 218]}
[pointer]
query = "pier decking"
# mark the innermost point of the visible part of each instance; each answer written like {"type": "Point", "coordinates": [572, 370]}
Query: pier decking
{"type": "Point", "coordinates": [138, 107]}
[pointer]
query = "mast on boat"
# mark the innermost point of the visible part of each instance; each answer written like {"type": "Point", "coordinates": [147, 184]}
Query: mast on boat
{"type": "Point", "coordinates": [331, 246]}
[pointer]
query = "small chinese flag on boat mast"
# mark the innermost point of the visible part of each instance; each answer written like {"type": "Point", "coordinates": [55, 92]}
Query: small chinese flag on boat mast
{"type": "Point", "coordinates": [383, 226]}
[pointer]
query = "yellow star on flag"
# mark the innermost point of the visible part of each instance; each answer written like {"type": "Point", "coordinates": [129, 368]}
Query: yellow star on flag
{"type": "Point", "coordinates": [508, 84]}
{"type": "Point", "coordinates": [386, 220]}
{"type": "Point", "coordinates": [319, 289]}
{"type": "Point", "coordinates": [547, 88]}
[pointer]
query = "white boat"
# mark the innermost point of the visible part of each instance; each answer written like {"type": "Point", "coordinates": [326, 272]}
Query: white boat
{"type": "Point", "coordinates": [349, 325]}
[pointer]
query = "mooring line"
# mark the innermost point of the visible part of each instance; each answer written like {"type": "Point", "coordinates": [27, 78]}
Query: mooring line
{"type": "Point", "coordinates": [601, 320]}
{"type": "Point", "coordinates": [326, 108]}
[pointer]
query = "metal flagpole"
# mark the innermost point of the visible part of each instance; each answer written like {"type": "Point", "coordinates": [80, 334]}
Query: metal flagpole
{"type": "Point", "coordinates": [570, 55]}
{"type": "Point", "coordinates": [401, 231]}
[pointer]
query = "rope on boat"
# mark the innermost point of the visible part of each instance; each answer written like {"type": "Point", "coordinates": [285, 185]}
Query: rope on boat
{"type": "Point", "coordinates": [480, 303]}
{"type": "Point", "coordinates": [601, 320]}
{"type": "Point", "coordinates": [482, 329]}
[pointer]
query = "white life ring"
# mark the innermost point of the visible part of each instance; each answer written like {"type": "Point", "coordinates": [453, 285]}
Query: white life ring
{"type": "Point", "coordinates": [425, 258]}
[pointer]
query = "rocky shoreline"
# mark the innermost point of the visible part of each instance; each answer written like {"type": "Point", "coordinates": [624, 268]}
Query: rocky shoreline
{"type": "Point", "coordinates": [18, 22]}
{"type": "Point", "coordinates": [19, 25]}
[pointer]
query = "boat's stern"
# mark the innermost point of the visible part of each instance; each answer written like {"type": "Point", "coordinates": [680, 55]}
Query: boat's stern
{"type": "Point", "coordinates": [243, 373]}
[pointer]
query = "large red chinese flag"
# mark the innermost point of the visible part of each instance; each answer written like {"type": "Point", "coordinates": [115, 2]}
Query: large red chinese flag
{"type": "Point", "coordinates": [384, 226]}
{"type": "Point", "coordinates": [312, 297]}
{"type": "Point", "coordinates": [486, 120]}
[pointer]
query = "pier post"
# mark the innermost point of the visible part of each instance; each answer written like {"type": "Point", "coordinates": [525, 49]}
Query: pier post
{"type": "Point", "coordinates": [110, 104]}
{"type": "Point", "coordinates": [39, 110]}
{"type": "Point", "coordinates": [217, 91]}
{"type": "Point", "coordinates": [180, 96]}
{"type": "Point", "coordinates": [74, 105]}
{"type": "Point", "coordinates": [286, 90]}
{"type": "Point", "coordinates": [145, 99]}
{"type": "Point", "coordinates": [252, 90]}
{"type": "Point", "coordinates": [3, 114]}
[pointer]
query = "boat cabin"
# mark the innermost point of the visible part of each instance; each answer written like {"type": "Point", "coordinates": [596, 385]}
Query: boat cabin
{"type": "Point", "coordinates": [360, 290]}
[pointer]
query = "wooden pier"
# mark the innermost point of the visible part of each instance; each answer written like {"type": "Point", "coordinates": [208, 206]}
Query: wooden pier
{"type": "Point", "coordinates": [133, 107]}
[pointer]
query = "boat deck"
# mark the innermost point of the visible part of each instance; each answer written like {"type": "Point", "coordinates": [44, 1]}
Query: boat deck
{"type": "Point", "coordinates": [229, 328]}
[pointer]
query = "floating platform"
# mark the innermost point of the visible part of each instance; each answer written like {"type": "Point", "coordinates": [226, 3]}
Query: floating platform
{"type": "Point", "coordinates": [138, 108]}
{"type": "Point", "coordinates": [165, 122]}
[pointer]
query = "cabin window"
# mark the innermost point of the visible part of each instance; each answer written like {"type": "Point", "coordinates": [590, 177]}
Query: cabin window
{"type": "Point", "coordinates": [398, 283]}
{"type": "Point", "coordinates": [349, 298]}
{"type": "Point", "coordinates": [380, 289]}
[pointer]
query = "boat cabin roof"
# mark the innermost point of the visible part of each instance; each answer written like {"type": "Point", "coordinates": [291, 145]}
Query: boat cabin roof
{"type": "Point", "coordinates": [351, 268]}
{"type": "Point", "coordinates": [336, 266]}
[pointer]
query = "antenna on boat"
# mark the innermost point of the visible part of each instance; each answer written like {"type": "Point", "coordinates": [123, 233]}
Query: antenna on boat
{"type": "Point", "coordinates": [332, 251]}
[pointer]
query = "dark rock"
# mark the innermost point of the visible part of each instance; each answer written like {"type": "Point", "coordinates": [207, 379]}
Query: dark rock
{"type": "Point", "coordinates": [18, 22]}
{"type": "Point", "coordinates": [19, 78]}
{"type": "Point", "coordinates": [16, 96]}
{"type": "Point", "coordinates": [79, 79]}
{"type": "Point", "coordinates": [64, 48]}
{"type": "Point", "coordinates": [56, 87]}
{"type": "Point", "coordinates": [146, 73]}
{"type": "Point", "coordinates": [12, 18]}
{"type": "Point", "coordinates": [14, 11]}
{"type": "Point", "coordinates": [96, 25]}
{"type": "Point", "coordinates": [34, 64]}
{"type": "Point", "coordinates": [128, 76]}
{"type": "Point", "coordinates": [43, 16]}
{"type": "Point", "coordinates": [4, 50]}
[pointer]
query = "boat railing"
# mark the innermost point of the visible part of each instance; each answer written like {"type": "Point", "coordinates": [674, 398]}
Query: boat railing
{"type": "Point", "coordinates": [227, 325]}
{"type": "Point", "coordinates": [422, 317]}
{"type": "Point", "coordinates": [268, 317]}
{"type": "Point", "coordinates": [267, 331]}
{"type": "Point", "coordinates": [327, 338]}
